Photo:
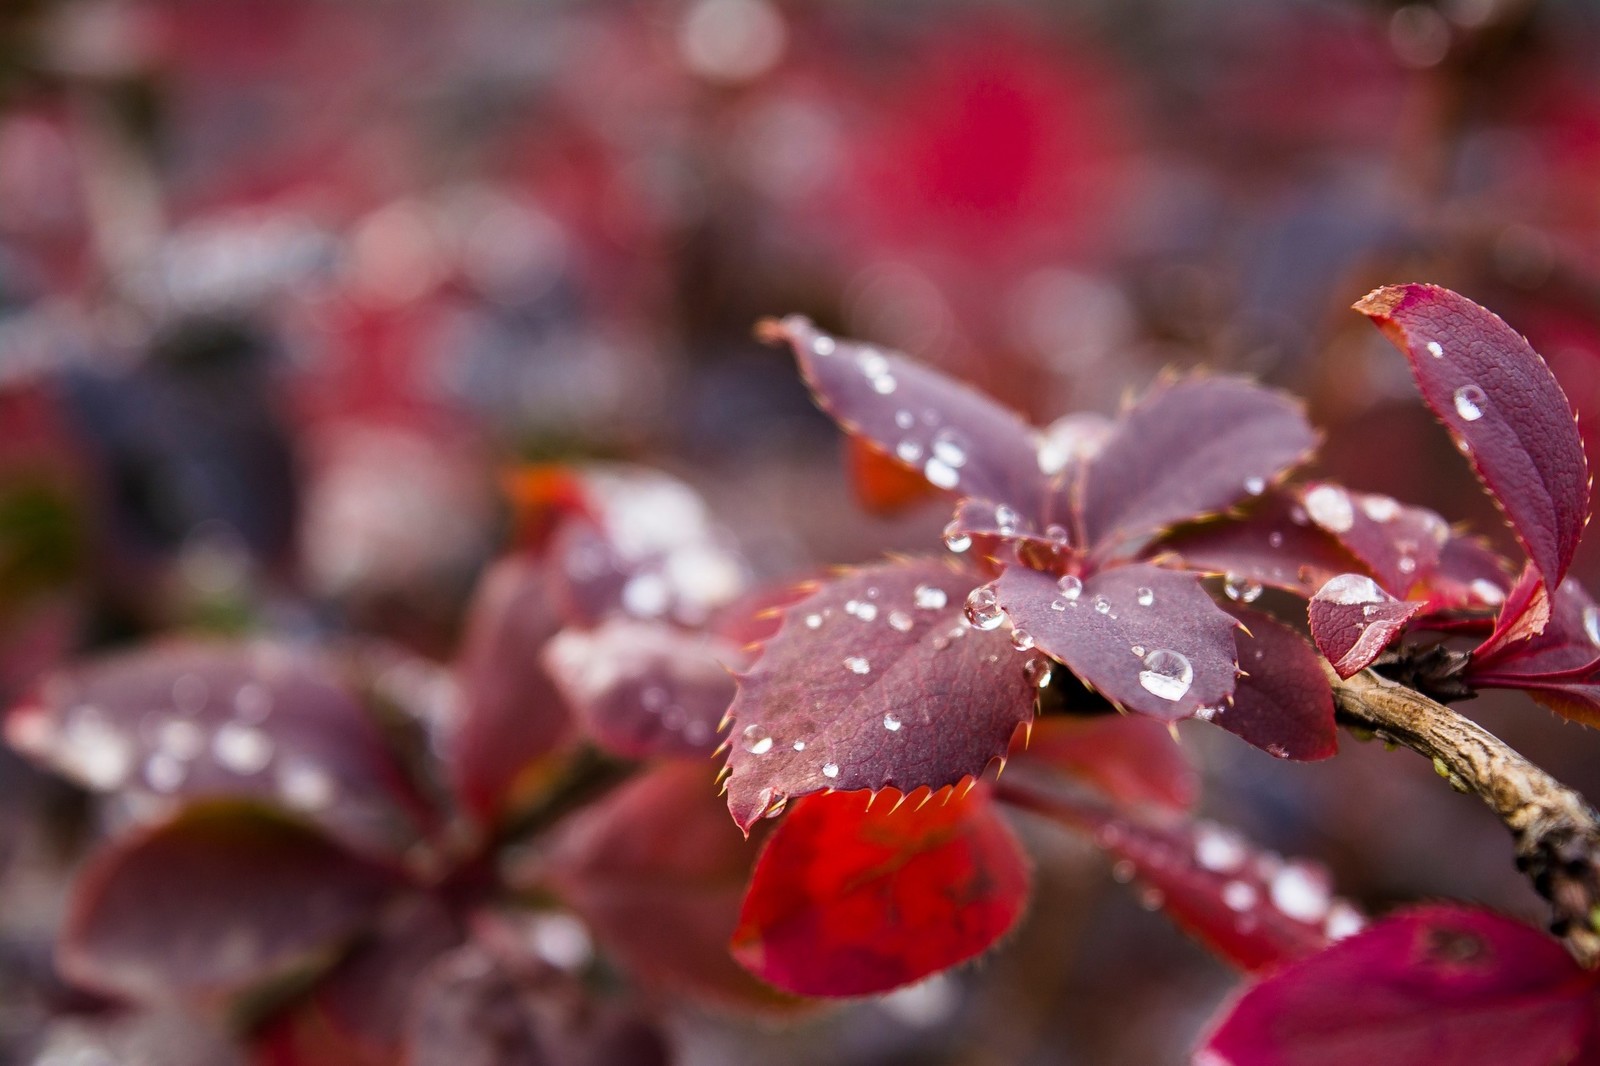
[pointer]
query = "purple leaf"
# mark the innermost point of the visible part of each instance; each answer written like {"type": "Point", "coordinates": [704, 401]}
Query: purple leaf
{"type": "Point", "coordinates": [224, 897]}
{"type": "Point", "coordinates": [1274, 545]}
{"type": "Point", "coordinates": [1503, 407]}
{"type": "Point", "coordinates": [987, 530]}
{"type": "Point", "coordinates": [1150, 640]}
{"type": "Point", "coordinates": [875, 681]}
{"type": "Point", "coordinates": [1281, 702]}
{"type": "Point", "coordinates": [643, 689]}
{"type": "Point", "coordinates": [1353, 620]}
{"type": "Point", "coordinates": [1399, 544]}
{"type": "Point", "coordinates": [1448, 986]}
{"type": "Point", "coordinates": [185, 721]}
{"type": "Point", "coordinates": [1191, 448]}
{"type": "Point", "coordinates": [959, 439]}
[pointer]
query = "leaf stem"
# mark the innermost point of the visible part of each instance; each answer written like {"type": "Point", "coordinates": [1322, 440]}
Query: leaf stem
{"type": "Point", "coordinates": [1557, 833]}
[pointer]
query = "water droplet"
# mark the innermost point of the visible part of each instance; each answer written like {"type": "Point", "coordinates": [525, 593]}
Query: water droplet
{"type": "Point", "coordinates": [1348, 589]}
{"type": "Point", "coordinates": [180, 738]}
{"type": "Point", "coordinates": [1058, 604]}
{"type": "Point", "coordinates": [1166, 674]}
{"type": "Point", "coordinates": [929, 597]}
{"type": "Point", "coordinates": [241, 748]}
{"type": "Point", "coordinates": [1470, 402]}
{"type": "Point", "coordinates": [1208, 714]}
{"type": "Point", "coordinates": [1239, 896]}
{"type": "Point", "coordinates": [904, 419]}
{"type": "Point", "coordinates": [1218, 850]}
{"type": "Point", "coordinates": [861, 609]}
{"type": "Point", "coordinates": [1343, 921]}
{"type": "Point", "coordinates": [1255, 486]}
{"type": "Point", "coordinates": [1138, 649]}
{"type": "Point", "coordinates": [1299, 893]}
{"type": "Point", "coordinates": [983, 608]}
{"type": "Point", "coordinates": [775, 807]}
{"type": "Point", "coordinates": [823, 345]}
{"type": "Point", "coordinates": [1487, 591]}
{"type": "Point", "coordinates": [1275, 539]}
{"type": "Point", "coordinates": [900, 622]}
{"type": "Point", "coordinates": [756, 740]}
{"type": "Point", "coordinates": [163, 772]}
{"type": "Point", "coordinates": [1380, 508]}
{"type": "Point", "coordinates": [799, 745]}
{"type": "Point", "coordinates": [1436, 349]}
{"type": "Point", "coordinates": [950, 448]}
{"type": "Point", "coordinates": [1021, 640]}
{"type": "Point", "coordinates": [830, 770]}
{"type": "Point", "coordinates": [1006, 519]}
{"type": "Point", "coordinates": [891, 723]}
{"type": "Point", "coordinates": [646, 595]}
{"type": "Point", "coordinates": [1241, 589]}
{"type": "Point", "coordinates": [1329, 507]}
{"type": "Point", "coordinates": [1144, 596]}
{"type": "Point", "coordinates": [871, 362]}
{"type": "Point", "coordinates": [1038, 671]}
{"type": "Point", "coordinates": [1406, 564]}
{"type": "Point", "coordinates": [908, 451]}
{"type": "Point", "coordinates": [883, 384]}
{"type": "Point", "coordinates": [305, 785]}
{"type": "Point", "coordinates": [1102, 605]}
{"type": "Point", "coordinates": [1591, 623]}
{"type": "Point", "coordinates": [813, 621]}
{"type": "Point", "coordinates": [942, 475]}
{"type": "Point", "coordinates": [1070, 586]}
{"type": "Point", "coordinates": [1057, 534]}
{"type": "Point", "coordinates": [857, 665]}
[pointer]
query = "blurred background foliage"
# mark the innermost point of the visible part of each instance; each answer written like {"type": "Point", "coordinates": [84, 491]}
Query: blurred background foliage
{"type": "Point", "coordinates": [291, 290]}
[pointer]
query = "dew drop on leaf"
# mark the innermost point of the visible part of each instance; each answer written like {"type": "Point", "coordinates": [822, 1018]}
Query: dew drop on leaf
{"type": "Point", "coordinates": [1487, 591]}
{"type": "Point", "coordinates": [1038, 671]}
{"type": "Point", "coordinates": [823, 345]}
{"type": "Point", "coordinates": [1329, 507]}
{"type": "Point", "coordinates": [1239, 896]}
{"type": "Point", "coordinates": [929, 597]}
{"type": "Point", "coordinates": [908, 451]}
{"type": "Point", "coordinates": [1218, 850]}
{"type": "Point", "coordinates": [1380, 508]}
{"type": "Point", "coordinates": [830, 770]}
{"type": "Point", "coordinates": [1102, 605]}
{"type": "Point", "coordinates": [756, 740]}
{"type": "Point", "coordinates": [1166, 674]}
{"type": "Point", "coordinates": [883, 384]}
{"type": "Point", "coordinates": [1343, 921]}
{"type": "Point", "coordinates": [857, 665]}
{"type": "Point", "coordinates": [891, 723]}
{"type": "Point", "coordinates": [1470, 401]}
{"type": "Point", "coordinates": [1255, 486]}
{"type": "Point", "coordinates": [1006, 519]}
{"type": "Point", "coordinates": [813, 621]}
{"type": "Point", "coordinates": [1070, 586]}
{"type": "Point", "coordinates": [241, 748]}
{"type": "Point", "coordinates": [983, 608]}
{"type": "Point", "coordinates": [900, 622]}
{"type": "Point", "coordinates": [1436, 349]}
{"type": "Point", "coordinates": [1300, 894]}
{"type": "Point", "coordinates": [1350, 589]}
{"type": "Point", "coordinates": [1145, 596]}
{"type": "Point", "coordinates": [1241, 589]}
{"type": "Point", "coordinates": [954, 538]}
{"type": "Point", "coordinates": [1021, 640]}
{"type": "Point", "coordinates": [942, 475]}
{"type": "Point", "coordinates": [950, 448]}
{"type": "Point", "coordinates": [905, 419]}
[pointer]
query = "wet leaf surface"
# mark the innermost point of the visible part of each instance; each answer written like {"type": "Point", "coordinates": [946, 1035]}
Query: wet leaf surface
{"type": "Point", "coordinates": [1281, 703]}
{"type": "Point", "coordinates": [1353, 620]}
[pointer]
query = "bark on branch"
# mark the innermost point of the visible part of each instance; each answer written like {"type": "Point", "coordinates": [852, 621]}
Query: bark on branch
{"type": "Point", "coordinates": [1557, 833]}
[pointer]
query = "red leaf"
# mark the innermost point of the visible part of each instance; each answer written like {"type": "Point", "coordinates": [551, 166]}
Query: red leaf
{"type": "Point", "coordinates": [1523, 615]}
{"type": "Point", "coordinates": [875, 681]}
{"type": "Point", "coordinates": [642, 689]}
{"type": "Point", "coordinates": [1353, 620]}
{"type": "Point", "coordinates": [1149, 639]}
{"type": "Point", "coordinates": [1559, 667]}
{"type": "Point", "coordinates": [883, 485]}
{"type": "Point", "coordinates": [1448, 986]}
{"type": "Point", "coordinates": [1399, 544]}
{"type": "Point", "coordinates": [512, 714]}
{"type": "Point", "coordinates": [1250, 907]}
{"type": "Point", "coordinates": [658, 875]}
{"type": "Point", "coordinates": [261, 720]}
{"type": "Point", "coordinates": [1131, 760]}
{"type": "Point", "coordinates": [1281, 702]}
{"type": "Point", "coordinates": [957, 438]}
{"type": "Point", "coordinates": [1503, 407]}
{"type": "Point", "coordinates": [1469, 574]}
{"type": "Point", "coordinates": [848, 902]}
{"type": "Point", "coordinates": [224, 897]}
{"type": "Point", "coordinates": [1190, 448]}
{"type": "Point", "coordinates": [1268, 547]}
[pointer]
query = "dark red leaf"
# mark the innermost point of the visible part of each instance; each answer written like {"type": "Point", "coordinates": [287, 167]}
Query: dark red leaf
{"type": "Point", "coordinates": [960, 440]}
{"type": "Point", "coordinates": [1250, 907]}
{"type": "Point", "coordinates": [1469, 574]}
{"type": "Point", "coordinates": [1399, 544]}
{"type": "Point", "coordinates": [184, 721]}
{"type": "Point", "coordinates": [512, 716]}
{"type": "Point", "coordinates": [658, 875]}
{"type": "Point", "coordinates": [1190, 448]}
{"type": "Point", "coordinates": [1274, 545]}
{"type": "Point", "coordinates": [875, 681]}
{"type": "Point", "coordinates": [1559, 667]}
{"type": "Point", "coordinates": [1503, 407]}
{"type": "Point", "coordinates": [642, 689]}
{"type": "Point", "coordinates": [224, 897]}
{"type": "Point", "coordinates": [1523, 615]}
{"type": "Point", "coordinates": [1149, 639]}
{"type": "Point", "coordinates": [1131, 760]}
{"type": "Point", "coordinates": [1281, 702]}
{"type": "Point", "coordinates": [1447, 986]}
{"type": "Point", "coordinates": [1353, 620]}
{"type": "Point", "coordinates": [848, 902]}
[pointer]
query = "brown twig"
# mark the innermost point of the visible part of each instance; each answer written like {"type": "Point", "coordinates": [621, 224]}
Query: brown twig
{"type": "Point", "coordinates": [1557, 833]}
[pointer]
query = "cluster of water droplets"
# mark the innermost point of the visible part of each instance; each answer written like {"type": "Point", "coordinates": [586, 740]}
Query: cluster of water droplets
{"type": "Point", "coordinates": [1293, 889]}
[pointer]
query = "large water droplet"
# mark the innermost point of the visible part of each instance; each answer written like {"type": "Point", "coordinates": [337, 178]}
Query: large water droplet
{"type": "Point", "coordinates": [1145, 596]}
{"type": "Point", "coordinates": [756, 740]}
{"type": "Point", "coordinates": [983, 608]}
{"type": "Point", "coordinates": [1166, 674]}
{"type": "Point", "coordinates": [1241, 589]}
{"type": "Point", "coordinates": [241, 748]}
{"type": "Point", "coordinates": [950, 448]}
{"type": "Point", "coordinates": [929, 597]}
{"type": "Point", "coordinates": [956, 538]}
{"type": "Point", "coordinates": [1329, 507]}
{"type": "Point", "coordinates": [1349, 589]}
{"type": "Point", "coordinates": [891, 722]}
{"type": "Point", "coordinates": [776, 806]}
{"type": "Point", "coordinates": [830, 770]}
{"type": "Point", "coordinates": [1022, 640]}
{"type": "Point", "coordinates": [1299, 893]}
{"type": "Point", "coordinates": [857, 665]}
{"type": "Point", "coordinates": [1038, 670]}
{"type": "Point", "coordinates": [1070, 586]}
{"type": "Point", "coordinates": [1470, 402]}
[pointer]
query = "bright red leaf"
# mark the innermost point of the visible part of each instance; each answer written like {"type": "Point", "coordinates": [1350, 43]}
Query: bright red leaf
{"type": "Point", "coordinates": [1131, 760]}
{"type": "Point", "coordinates": [849, 902]}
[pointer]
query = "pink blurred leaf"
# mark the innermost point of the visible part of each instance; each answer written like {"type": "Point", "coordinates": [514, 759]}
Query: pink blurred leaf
{"type": "Point", "coordinates": [1268, 546]}
{"type": "Point", "coordinates": [958, 439]}
{"type": "Point", "coordinates": [1131, 760]}
{"type": "Point", "coordinates": [1281, 702]}
{"type": "Point", "coordinates": [222, 898]}
{"type": "Point", "coordinates": [848, 902]}
{"type": "Point", "coordinates": [642, 689]}
{"type": "Point", "coordinates": [875, 681]}
{"type": "Point", "coordinates": [658, 875]}
{"type": "Point", "coordinates": [1353, 620]}
{"type": "Point", "coordinates": [1398, 543]}
{"type": "Point", "coordinates": [1444, 985]}
{"type": "Point", "coordinates": [1190, 448]}
{"type": "Point", "coordinates": [1504, 408]}
{"type": "Point", "coordinates": [1148, 639]}
{"type": "Point", "coordinates": [262, 720]}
